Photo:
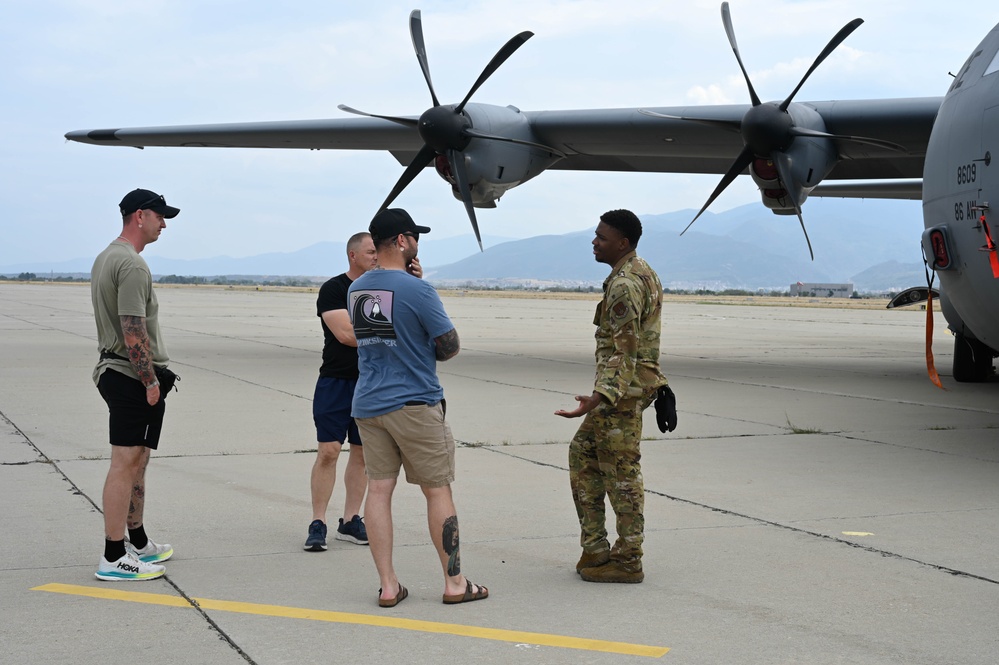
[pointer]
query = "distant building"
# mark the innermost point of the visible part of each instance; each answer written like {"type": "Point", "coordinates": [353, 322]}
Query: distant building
{"type": "Point", "coordinates": [822, 290]}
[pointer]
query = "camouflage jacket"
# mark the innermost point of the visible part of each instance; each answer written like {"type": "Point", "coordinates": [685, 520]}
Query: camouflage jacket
{"type": "Point", "coordinates": [629, 323]}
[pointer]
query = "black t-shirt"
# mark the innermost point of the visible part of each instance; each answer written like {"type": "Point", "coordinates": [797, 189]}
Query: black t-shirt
{"type": "Point", "coordinates": [339, 360]}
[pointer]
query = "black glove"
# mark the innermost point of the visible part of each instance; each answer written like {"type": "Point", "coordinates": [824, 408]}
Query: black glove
{"type": "Point", "coordinates": [666, 409]}
{"type": "Point", "coordinates": [167, 377]}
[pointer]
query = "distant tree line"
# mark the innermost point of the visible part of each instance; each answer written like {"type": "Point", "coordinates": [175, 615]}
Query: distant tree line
{"type": "Point", "coordinates": [227, 281]}
{"type": "Point", "coordinates": [770, 293]}
{"type": "Point", "coordinates": [302, 282]}
{"type": "Point", "coordinates": [727, 292]}
{"type": "Point", "coordinates": [169, 279]}
{"type": "Point", "coordinates": [32, 277]}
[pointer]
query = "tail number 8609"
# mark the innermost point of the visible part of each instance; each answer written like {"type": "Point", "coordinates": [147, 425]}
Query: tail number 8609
{"type": "Point", "coordinates": [967, 174]}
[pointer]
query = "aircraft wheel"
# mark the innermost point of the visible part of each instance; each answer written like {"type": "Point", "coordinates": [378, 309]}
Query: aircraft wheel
{"type": "Point", "coordinates": [972, 360]}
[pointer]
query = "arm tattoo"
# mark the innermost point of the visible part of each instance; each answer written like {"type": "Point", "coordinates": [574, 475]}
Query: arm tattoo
{"type": "Point", "coordinates": [137, 344]}
{"type": "Point", "coordinates": [447, 345]}
{"type": "Point", "coordinates": [451, 547]}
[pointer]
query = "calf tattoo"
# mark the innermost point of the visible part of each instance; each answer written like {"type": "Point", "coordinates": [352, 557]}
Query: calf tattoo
{"type": "Point", "coordinates": [135, 505]}
{"type": "Point", "coordinates": [451, 547]}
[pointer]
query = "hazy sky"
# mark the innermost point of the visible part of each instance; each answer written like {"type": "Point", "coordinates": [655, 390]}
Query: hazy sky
{"type": "Point", "coordinates": [89, 64]}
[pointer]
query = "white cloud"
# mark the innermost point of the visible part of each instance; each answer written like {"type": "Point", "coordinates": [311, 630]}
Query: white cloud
{"type": "Point", "coordinates": [712, 94]}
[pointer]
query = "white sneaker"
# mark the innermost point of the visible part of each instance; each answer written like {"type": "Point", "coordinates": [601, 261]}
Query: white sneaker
{"type": "Point", "coordinates": [151, 553]}
{"type": "Point", "coordinates": [128, 568]}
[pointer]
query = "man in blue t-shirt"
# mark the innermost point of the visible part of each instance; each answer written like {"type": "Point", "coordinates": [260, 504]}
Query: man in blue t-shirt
{"type": "Point", "coordinates": [402, 331]}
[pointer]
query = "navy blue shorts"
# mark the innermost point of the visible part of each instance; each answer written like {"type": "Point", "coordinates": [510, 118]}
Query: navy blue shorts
{"type": "Point", "coordinates": [132, 422]}
{"type": "Point", "coordinates": [331, 411]}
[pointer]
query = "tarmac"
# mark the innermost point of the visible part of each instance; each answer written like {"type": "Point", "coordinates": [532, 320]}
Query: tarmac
{"type": "Point", "coordinates": [820, 501]}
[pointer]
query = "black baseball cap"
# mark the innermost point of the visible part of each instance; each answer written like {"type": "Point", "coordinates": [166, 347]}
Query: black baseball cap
{"type": "Point", "coordinates": [144, 199]}
{"type": "Point", "coordinates": [391, 222]}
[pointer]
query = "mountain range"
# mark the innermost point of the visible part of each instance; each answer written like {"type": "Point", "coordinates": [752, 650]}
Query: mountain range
{"type": "Point", "coordinates": [872, 244]}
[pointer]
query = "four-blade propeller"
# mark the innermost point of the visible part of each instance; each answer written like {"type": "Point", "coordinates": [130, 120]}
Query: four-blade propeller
{"type": "Point", "coordinates": [768, 129]}
{"type": "Point", "coordinates": [447, 130]}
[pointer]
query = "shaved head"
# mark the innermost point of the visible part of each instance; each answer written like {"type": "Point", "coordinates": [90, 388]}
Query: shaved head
{"type": "Point", "coordinates": [354, 242]}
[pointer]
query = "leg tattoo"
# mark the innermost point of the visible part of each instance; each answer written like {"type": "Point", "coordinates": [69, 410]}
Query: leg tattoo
{"type": "Point", "coordinates": [451, 546]}
{"type": "Point", "coordinates": [135, 506]}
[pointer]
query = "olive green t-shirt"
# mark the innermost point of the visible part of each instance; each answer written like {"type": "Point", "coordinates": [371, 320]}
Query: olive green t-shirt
{"type": "Point", "coordinates": [121, 285]}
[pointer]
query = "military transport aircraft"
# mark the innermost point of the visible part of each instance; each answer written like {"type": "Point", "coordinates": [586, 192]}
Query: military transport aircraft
{"type": "Point", "coordinates": [934, 148]}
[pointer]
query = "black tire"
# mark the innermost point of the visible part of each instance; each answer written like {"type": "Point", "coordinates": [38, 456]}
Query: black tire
{"type": "Point", "coordinates": [972, 360]}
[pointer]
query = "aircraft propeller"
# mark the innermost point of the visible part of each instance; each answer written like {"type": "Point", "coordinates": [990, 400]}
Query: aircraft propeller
{"type": "Point", "coordinates": [447, 130]}
{"type": "Point", "coordinates": [768, 130]}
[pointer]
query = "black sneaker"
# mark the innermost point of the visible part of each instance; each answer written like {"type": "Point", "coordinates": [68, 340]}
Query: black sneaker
{"type": "Point", "coordinates": [316, 542]}
{"type": "Point", "coordinates": [353, 531]}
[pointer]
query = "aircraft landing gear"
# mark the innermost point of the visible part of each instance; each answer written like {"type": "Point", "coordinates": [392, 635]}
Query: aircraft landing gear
{"type": "Point", "coordinates": [972, 360]}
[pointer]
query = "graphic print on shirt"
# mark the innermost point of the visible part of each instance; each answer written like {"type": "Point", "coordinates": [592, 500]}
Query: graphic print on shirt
{"type": "Point", "coordinates": [371, 312]}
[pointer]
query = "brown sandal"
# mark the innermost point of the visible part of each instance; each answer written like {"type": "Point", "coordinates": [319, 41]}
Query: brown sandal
{"type": "Point", "coordinates": [468, 596]}
{"type": "Point", "coordinates": [392, 602]}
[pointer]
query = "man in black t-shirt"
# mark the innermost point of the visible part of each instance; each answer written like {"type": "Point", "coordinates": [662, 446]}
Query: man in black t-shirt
{"type": "Point", "coordinates": [331, 404]}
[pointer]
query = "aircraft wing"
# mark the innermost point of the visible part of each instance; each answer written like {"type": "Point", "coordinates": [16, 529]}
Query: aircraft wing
{"type": "Point", "coordinates": [339, 134]}
{"type": "Point", "coordinates": [623, 140]}
{"type": "Point", "coordinates": [592, 140]}
{"type": "Point", "coordinates": [911, 190]}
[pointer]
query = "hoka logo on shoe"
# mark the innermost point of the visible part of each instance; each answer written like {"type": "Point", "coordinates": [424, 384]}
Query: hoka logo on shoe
{"type": "Point", "coordinates": [127, 568]}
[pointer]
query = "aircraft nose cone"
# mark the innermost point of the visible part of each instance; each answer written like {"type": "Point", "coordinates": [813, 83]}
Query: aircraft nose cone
{"type": "Point", "coordinates": [442, 129]}
{"type": "Point", "coordinates": [766, 129]}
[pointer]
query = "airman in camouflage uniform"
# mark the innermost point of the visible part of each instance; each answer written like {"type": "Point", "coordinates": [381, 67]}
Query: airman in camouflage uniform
{"type": "Point", "coordinates": [604, 455]}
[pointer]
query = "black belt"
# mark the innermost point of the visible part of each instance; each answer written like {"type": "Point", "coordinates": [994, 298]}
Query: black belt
{"type": "Point", "coordinates": [105, 355]}
{"type": "Point", "coordinates": [417, 402]}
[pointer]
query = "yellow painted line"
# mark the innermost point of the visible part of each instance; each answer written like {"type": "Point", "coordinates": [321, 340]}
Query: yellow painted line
{"type": "Point", "coordinates": [857, 533]}
{"type": "Point", "coordinates": [516, 636]}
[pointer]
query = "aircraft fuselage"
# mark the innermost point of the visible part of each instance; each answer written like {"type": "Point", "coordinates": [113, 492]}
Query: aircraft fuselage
{"type": "Point", "coordinates": [961, 200]}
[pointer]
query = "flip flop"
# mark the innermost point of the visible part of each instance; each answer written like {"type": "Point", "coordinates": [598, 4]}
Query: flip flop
{"type": "Point", "coordinates": [392, 602]}
{"type": "Point", "coordinates": [468, 596]}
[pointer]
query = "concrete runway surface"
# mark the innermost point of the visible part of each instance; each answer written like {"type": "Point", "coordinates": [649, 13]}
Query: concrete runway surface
{"type": "Point", "coordinates": [820, 502]}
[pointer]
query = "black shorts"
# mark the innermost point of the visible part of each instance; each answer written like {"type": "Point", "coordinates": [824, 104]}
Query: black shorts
{"type": "Point", "coordinates": [132, 421]}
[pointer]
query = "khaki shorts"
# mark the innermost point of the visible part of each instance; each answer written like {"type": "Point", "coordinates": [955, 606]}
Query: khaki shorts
{"type": "Point", "coordinates": [415, 438]}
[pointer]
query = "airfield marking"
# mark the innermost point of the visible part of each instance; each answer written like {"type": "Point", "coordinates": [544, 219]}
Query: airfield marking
{"type": "Point", "coordinates": [497, 634]}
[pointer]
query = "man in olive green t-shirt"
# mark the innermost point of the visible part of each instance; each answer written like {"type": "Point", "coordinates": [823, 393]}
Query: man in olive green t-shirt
{"type": "Point", "coordinates": [128, 337]}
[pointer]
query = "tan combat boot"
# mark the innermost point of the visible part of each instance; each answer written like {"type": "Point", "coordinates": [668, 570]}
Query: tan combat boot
{"type": "Point", "coordinates": [592, 559]}
{"type": "Point", "coordinates": [614, 571]}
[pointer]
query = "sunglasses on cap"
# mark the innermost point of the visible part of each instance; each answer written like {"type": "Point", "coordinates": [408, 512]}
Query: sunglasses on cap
{"type": "Point", "coordinates": [156, 200]}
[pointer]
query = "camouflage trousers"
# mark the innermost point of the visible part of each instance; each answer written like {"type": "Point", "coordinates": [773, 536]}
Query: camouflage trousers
{"type": "Point", "coordinates": [604, 460]}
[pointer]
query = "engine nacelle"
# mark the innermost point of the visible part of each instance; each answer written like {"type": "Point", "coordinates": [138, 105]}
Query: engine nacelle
{"type": "Point", "coordinates": [496, 166]}
{"type": "Point", "coordinates": [811, 159]}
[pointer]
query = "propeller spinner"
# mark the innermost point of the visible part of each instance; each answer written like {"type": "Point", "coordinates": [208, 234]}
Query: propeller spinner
{"type": "Point", "coordinates": [445, 129]}
{"type": "Point", "coordinates": [768, 130]}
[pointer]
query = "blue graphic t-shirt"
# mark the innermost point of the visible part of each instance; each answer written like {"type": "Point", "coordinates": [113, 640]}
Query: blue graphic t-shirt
{"type": "Point", "coordinates": [396, 318]}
